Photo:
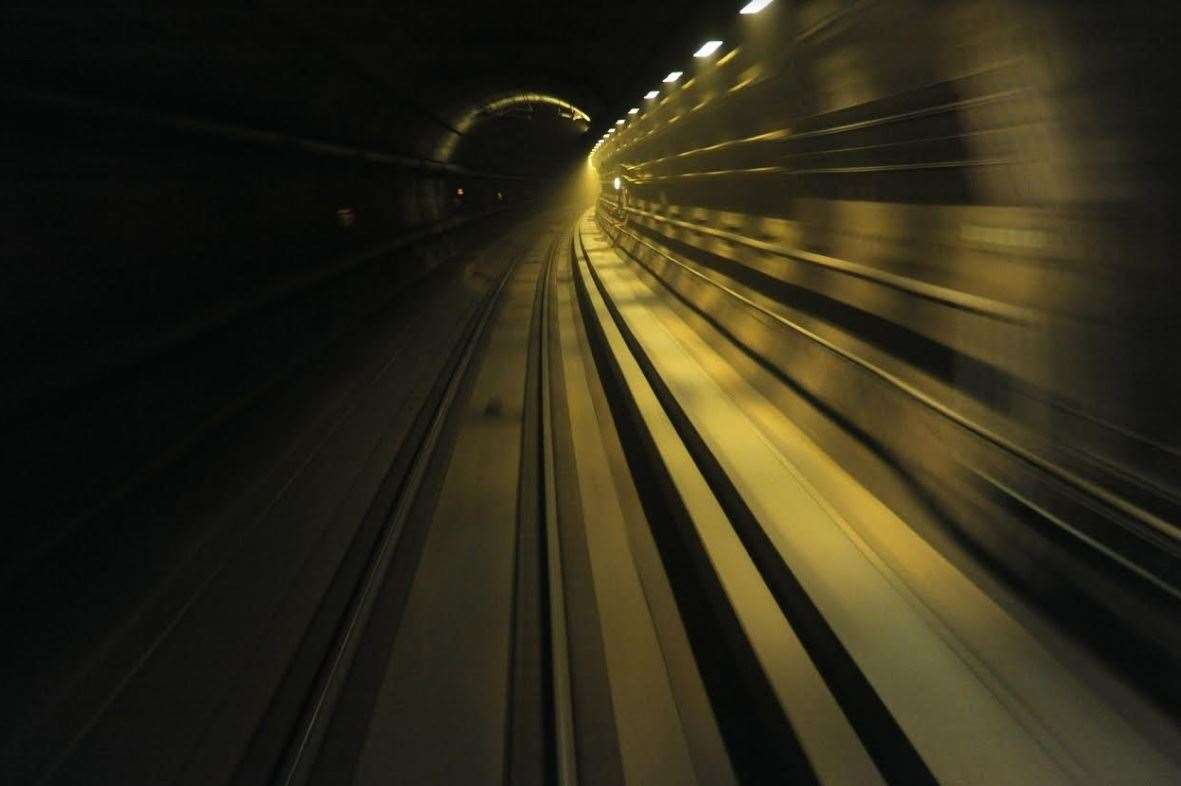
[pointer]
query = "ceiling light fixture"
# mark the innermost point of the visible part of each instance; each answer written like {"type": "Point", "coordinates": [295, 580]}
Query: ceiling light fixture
{"type": "Point", "coordinates": [674, 76]}
{"type": "Point", "coordinates": [708, 48]}
{"type": "Point", "coordinates": [754, 6]}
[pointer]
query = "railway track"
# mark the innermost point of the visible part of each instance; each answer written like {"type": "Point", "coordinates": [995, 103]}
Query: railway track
{"type": "Point", "coordinates": [650, 574]}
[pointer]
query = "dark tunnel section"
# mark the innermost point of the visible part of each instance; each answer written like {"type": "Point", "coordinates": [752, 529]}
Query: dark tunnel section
{"type": "Point", "coordinates": [203, 213]}
{"type": "Point", "coordinates": [192, 229]}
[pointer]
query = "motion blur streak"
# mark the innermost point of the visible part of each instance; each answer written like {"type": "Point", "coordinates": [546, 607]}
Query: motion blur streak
{"type": "Point", "coordinates": [968, 225]}
{"type": "Point", "coordinates": [545, 393]}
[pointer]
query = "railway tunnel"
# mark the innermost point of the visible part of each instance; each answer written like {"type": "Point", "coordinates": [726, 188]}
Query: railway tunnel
{"type": "Point", "coordinates": [603, 393]}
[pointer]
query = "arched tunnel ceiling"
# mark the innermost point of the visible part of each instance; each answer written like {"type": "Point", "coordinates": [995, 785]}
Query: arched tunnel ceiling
{"type": "Point", "coordinates": [352, 75]}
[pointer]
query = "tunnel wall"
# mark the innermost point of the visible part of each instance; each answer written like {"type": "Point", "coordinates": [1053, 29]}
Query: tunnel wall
{"type": "Point", "coordinates": [943, 220]}
{"type": "Point", "coordinates": [196, 204]}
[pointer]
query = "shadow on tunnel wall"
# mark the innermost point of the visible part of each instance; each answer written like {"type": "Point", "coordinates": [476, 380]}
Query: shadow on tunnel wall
{"type": "Point", "coordinates": [936, 235]}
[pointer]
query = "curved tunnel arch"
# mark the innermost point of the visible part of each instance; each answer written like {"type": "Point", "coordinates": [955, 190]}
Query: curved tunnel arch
{"type": "Point", "coordinates": [512, 100]}
{"type": "Point", "coordinates": [466, 121]}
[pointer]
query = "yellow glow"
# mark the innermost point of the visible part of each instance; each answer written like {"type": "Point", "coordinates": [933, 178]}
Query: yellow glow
{"type": "Point", "coordinates": [708, 48]}
{"type": "Point", "coordinates": [726, 58]}
{"type": "Point", "coordinates": [618, 184]}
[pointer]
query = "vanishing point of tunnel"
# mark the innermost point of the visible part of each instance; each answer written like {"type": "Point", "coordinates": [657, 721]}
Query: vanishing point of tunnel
{"type": "Point", "coordinates": [553, 393]}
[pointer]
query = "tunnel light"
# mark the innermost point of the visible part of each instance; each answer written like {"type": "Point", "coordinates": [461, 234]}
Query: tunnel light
{"type": "Point", "coordinates": [674, 76]}
{"type": "Point", "coordinates": [708, 48]}
{"type": "Point", "coordinates": [651, 94]}
{"type": "Point", "coordinates": [618, 184]}
{"type": "Point", "coordinates": [619, 122]}
{"type": "Point", "coordinates": [754, 6]}
{"type": "Point", "coordinates": [633, 110]}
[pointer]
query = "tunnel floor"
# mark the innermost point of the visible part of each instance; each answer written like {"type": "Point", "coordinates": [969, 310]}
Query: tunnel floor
{"type": "Point", "coordinates": [574, 535]}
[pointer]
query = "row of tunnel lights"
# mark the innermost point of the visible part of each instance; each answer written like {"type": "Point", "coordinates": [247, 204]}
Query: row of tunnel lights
{"type": "Point", "coordinates": [707, 49]}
